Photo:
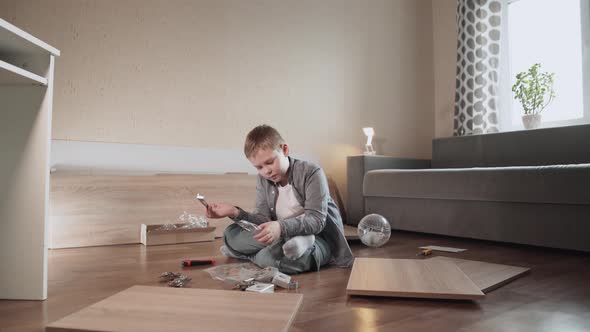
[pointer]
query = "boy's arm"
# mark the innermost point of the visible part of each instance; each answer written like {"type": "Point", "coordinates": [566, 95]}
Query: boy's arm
{"type": "Point", "coordinates": [316, 208]}
{"type": "Point", "coordinates": [261, 213]}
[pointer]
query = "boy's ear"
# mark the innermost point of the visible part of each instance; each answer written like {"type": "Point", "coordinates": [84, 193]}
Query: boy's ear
{"type": "Point", "coordinates": [285, 148]}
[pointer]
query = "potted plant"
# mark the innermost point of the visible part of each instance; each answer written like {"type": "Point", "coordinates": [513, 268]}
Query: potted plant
{"type": "Point", "coordinates": [531, 90]}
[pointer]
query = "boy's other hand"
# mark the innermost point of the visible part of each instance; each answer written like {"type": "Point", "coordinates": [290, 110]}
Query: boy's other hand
{"type": "Point", "coordinates": [269, 232]}
{"type": "Point", "coordinates": [220, 210]}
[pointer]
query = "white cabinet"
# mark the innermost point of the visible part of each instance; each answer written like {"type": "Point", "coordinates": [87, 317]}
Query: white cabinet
{"type": "Point", "coordinates": [26, 93]}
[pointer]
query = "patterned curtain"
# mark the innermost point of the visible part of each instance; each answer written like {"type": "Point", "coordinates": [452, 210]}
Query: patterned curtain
{"type": "Point", "coordinates": [478, 73]}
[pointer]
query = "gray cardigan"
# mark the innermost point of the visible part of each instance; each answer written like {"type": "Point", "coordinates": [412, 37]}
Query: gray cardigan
{"type": "Point", "coordinates": [321, 213]}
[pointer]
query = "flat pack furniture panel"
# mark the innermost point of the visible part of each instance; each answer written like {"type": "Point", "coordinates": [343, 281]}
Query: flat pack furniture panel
{"type": "Point", "coordinates": [26, 99]}
{"type": "Point", "coordinates": [351, 233]}
{"type": "Point", "coordinates": [156, 309]}
{"type": "Point", "coordinates": [487, 276]}
{"type": "Point", "coordinates": [447, 249]}
{"type": "Point", "coordinates": [435, 279]}
{"type": "Point", "coordinates": [155, 235]}
{"type": "Point", "coordinates": [93, 210]}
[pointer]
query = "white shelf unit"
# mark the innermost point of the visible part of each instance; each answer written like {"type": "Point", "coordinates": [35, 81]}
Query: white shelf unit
{"type": "Point", "coordinates": [11, 75]}
{"type": "Point", "coordinates": [26, 93]}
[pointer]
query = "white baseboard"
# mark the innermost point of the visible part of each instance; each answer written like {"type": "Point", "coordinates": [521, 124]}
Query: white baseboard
{"type": "Point", "coordinates": [98, 157]}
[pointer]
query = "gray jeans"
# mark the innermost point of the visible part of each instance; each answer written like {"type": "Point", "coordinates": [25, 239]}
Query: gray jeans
{"type": "Point", "coordinates": [241, 243]}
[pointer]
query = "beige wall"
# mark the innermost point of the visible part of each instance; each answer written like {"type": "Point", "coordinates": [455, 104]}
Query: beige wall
{"type": "Point", "coordinates": [202, 73]}
{"type": "Point", "coordinates": [444, 26]}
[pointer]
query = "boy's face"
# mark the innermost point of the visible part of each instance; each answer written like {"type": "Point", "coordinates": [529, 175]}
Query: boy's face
{"type": "Point", "coordinates": [272, 164]}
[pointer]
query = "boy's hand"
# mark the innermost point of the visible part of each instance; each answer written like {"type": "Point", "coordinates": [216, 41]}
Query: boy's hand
{"type": "Point", "coordinates": [220, 210]}
{"type": "Point", "coordinates": [269, 232]}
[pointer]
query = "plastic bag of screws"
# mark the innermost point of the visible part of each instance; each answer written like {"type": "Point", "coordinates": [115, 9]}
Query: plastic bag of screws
{"type": "Point", "coordinates": [174, 279]}
{"type": "Point", "coordinates": [266, 274]}
{"type": "Point", "coordinates": [193, 221]}
{"type": "Point", "coordinates": [247, 226]}
{"type": "Point", "coordinates": [235, 273]}
{"type": "Point", "coordinates": [166, 227]}
{"type": "Point", "coordinates": [243, 284]}
{"type": "Point", "coordinates": [180, 281]}
{"type": "Point", "coordinates": [185, 221]}
{"type": "Point", "coordinates": [169, 276]}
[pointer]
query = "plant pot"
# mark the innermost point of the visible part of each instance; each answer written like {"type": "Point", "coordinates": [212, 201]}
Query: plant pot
{"type": "Point", "coordinates": [531, 121]}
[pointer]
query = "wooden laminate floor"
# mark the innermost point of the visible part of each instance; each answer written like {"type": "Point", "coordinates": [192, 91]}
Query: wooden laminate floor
{"type": "Point", "coordinates": [555, 296]}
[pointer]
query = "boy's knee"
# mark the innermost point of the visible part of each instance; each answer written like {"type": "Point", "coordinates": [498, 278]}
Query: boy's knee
{"type": "Point", "coordinates": [230, 234]}
{"type": "Point", "coordinates": [298, 245]}
{"type": "Point", "coordinates": [240, 241]}
{"type": "Point", "coordinates": [231, 231]}
{"type": "Point", "coordinates": [264, 258]}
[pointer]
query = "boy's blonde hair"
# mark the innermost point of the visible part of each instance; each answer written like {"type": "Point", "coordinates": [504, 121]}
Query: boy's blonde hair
{"type": "Point", "coordinates": [262, 137]}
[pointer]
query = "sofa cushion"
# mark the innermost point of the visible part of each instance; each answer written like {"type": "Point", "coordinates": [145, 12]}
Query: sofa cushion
{"type": "Point", "coordinates": [558, 184]}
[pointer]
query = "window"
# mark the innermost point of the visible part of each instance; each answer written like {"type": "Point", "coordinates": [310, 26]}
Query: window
{"type": "Point", "coordinates": [554, 33]}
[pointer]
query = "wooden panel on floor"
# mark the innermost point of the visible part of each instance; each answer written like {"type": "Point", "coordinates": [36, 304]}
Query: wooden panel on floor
{"type": "Point", "coordinates": [351, 233]}
{"type": "Point", "coordinates": [487, 276]}
{"type": "Point", "coordinates": [93, 210]}
{"type": "Point", "coordinates": [146, 309]}
{"type": "Point", "coordinates": [556, 294]}
{"type": "Point", "coordinates": [436, 279]}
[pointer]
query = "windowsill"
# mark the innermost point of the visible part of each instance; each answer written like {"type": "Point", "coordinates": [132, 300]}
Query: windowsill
{"type": "Point", "coordinates": [552, 124]}
{"type": "Point", "coordinates": [518, 131]}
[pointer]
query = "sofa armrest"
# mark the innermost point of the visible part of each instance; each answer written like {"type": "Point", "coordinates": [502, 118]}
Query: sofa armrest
{"type": "Point", "coordinates": [358, 166]}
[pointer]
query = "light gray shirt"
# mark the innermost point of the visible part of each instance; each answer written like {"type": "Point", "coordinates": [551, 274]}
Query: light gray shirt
{"type": "Point", "coordinates": [322, 217]}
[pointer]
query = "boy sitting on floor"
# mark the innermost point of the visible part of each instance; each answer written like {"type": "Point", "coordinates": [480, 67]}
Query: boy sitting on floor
{"type": "Point", "coordinates": [300, 226]}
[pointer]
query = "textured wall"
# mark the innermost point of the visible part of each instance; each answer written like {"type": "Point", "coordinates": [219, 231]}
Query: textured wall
{"type": "Point", "coordinates": [202, 73]}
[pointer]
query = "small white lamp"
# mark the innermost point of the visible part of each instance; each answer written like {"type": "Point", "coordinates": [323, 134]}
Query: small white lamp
{"type": "Point", "coordinates": [370, 132]}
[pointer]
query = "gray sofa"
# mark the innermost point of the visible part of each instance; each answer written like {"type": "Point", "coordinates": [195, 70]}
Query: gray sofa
{"type": "Point", "coordinates": [530, 187]}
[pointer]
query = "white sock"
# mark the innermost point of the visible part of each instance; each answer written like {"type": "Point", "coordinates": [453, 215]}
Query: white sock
{"type": "Point", "coordinates": [298, 245]}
